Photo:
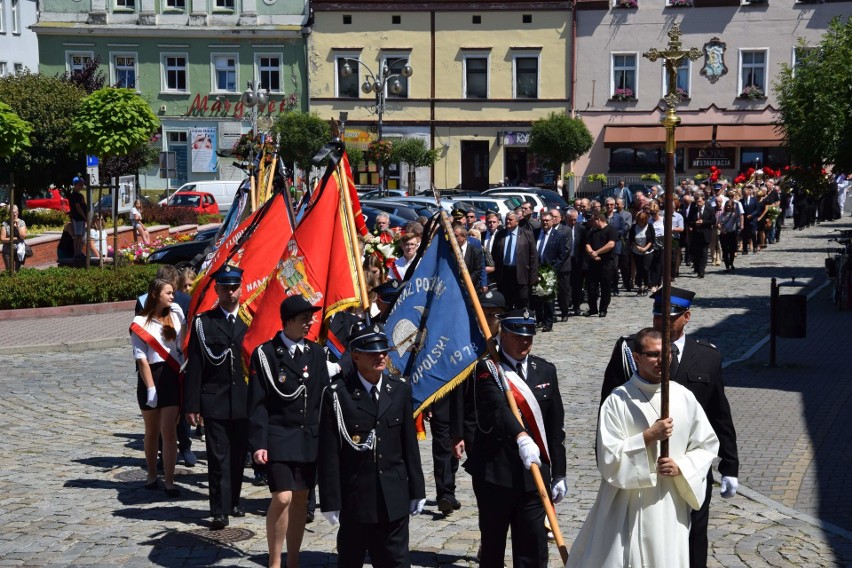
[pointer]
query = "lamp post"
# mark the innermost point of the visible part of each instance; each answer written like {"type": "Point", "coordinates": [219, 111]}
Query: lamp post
{"type": "Point", "coordinates": [378, 84]}
{"type": "Point", "coordinates": [672, 56]}
{"type": "Point", "coordinates": [254, 97]}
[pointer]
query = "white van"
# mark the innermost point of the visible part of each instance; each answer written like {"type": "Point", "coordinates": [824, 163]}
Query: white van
{"type": "Point", "coordinates": [222, 191]}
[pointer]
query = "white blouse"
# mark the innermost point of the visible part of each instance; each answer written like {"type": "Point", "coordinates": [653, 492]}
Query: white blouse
{"type": "Point", "coordinates": [142, 350]}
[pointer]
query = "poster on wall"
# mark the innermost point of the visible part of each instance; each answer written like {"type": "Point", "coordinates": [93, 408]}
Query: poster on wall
{"type": "Point", "coordinates": [203, 144]}
{"type": "Point", "coordinates": [126, 193]}
{"type": "Point", "coordinates": [229, 134]}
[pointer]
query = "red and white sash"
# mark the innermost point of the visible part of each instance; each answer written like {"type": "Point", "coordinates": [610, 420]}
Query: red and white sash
{"type": "Point", "coordinates": [154, 344]}
{"type": "Point", "coordinates": [529, 408]}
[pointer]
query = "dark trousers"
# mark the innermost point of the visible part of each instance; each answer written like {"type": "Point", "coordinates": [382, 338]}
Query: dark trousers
{"type": "Point", "coordinates": [501, 508]}
{"type": "Point", "coordinates": [563, 292]}
{"type": "Point", "coordinates": [655, 272]}
{"type": "Point", "coordinates": [516, 295]}
{"type": "Point", "coordinates": [747, 235]}
{"type": "Point", "coordinates": [599, 282]}
{"type": "Point", "coordinates": [577, 278]}
{"type": "Point", "coordinates": [729, 248]}
{"type": "Point", "coordinates": [227, 444]}
{"type": "Point", "coordinates": [699, 254]}
{"type": "Point", "coordinates": [544, 310]}
{"type": "Point", "coordinates": [624, 268]}
{"type": "Point", "coordinates": [445, 463]}
{"type": "Point", "coordinates": [643, 267]}
{"type": "Point", "coordinates": [387, 543]}
{"type": "Point", "coordinates": [698, 529]}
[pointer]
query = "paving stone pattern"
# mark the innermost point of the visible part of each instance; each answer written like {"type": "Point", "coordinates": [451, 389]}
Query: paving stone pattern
{"type": "Point", "coordinates": [71, 455]}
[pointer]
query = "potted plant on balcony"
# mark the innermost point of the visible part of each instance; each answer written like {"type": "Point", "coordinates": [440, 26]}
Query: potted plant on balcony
{"type": "Point", "coordinates": [752, 92]}
{"type": "Point", "coordinates": [627, 4]}
{"type": "Point", "coordinates": [623, 94]}
{"type": "Point", "coordinates": [680, 3]}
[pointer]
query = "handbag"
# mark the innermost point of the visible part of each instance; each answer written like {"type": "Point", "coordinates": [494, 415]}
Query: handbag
{"type": "Point", "coordinates": [28, 250]}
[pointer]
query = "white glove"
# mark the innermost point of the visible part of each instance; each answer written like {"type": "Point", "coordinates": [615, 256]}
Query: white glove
{"type": "Point", "coordinates": [528, 450]}
{"type": "Point", "coordinates": [558, 489]}
{"type": "Point", "coordinates": [333, 368]}
{"type": "Point", "coordinates": [333, 517]}
{"type": "Point", "coordinates": [729, 486]}
{"type": "Point", "coordinates": [416, 506]}
{"type": "Point", "coordinates": [152, 397]}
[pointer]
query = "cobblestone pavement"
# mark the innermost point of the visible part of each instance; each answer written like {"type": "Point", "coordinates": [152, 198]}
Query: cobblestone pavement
{"type": "Point", "coordinates": [71, 456]}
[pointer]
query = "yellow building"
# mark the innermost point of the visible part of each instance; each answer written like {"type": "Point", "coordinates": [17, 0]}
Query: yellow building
{"type": "Point", "coordinates": [479, 77]}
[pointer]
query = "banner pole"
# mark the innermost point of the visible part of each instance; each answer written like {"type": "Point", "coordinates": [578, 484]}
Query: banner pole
{"type": "Point", "coordinates": [492, 351]}
{"type": "Point", "coordinates": [353, 236]}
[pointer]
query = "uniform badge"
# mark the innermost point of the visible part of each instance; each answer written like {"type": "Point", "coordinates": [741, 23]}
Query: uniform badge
{"type": "Point", "coordinates": [305, 373]}
{"type": "Point", "coordinates": [356, 438]}
{"type": "Point", "coordinates": [281, 378]}
{"type": "Point", "coordinates": [526, 313]}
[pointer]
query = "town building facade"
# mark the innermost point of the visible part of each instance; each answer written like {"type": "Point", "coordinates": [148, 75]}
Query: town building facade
{"type": "Point", "coordinates": [18, 43]}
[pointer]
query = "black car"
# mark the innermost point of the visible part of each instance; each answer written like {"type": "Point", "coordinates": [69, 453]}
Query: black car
{"type": "Point", "coordinates": [370, 214]}
{"type": "Point", "coordinates": [392, 207]}
{"type": "Point", "coordinates": [184, 253]}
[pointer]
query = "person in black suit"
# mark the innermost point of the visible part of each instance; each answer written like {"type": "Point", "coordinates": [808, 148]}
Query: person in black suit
{"type": "Point", "coordinates": [288, 376]}
{"type": "Point", "coordinates": [750, 212]}
{"type": "Point", "coordinates": [702, 219]}
{"type": "Point", "coordinates": [215, 391]}
{"type": "Point", "coordinates": [697, 365]}
{"type": "Point", "coordinates": [515, 262]}
{"type": "Point", "coordinates": [575, 238]}
{"type": "Point", "coordinates": [472, 256]}
{"type": "Point", "coordinates": [550, 247]}
{"type": "Point", "coordinates": [501, 451]}
{"type": "Point", "coordinates": [370, 478]}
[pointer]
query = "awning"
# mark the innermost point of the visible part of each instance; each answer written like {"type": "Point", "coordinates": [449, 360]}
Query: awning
{"type": "Point", "coordinates": [749, 134]}
{"type": "Point", "coordinates": [636, 135]}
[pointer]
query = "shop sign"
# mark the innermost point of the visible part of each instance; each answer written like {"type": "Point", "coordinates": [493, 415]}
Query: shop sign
{"type": "Point", "coordinates": [516, 138]}
{"type": "Point", "coordinates": [700, 158]}
{"type": "Point", "coordinates": [355, 138]}
{"type": "Point", "coordinates": [222, 107]}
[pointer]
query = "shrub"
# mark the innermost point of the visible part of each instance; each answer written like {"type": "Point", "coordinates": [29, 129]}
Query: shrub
{"type": "Point", "coordinates": [171, 216]}
{"type": "Point", "coordinates": [32, 217]}
{"type": "Point", "coordinates": [208, 219]}
{"type": "Point", "coordinates": [61, 286]}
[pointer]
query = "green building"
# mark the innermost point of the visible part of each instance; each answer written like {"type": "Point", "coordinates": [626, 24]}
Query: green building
{"type": "Point", "coordinates": [192, 61]}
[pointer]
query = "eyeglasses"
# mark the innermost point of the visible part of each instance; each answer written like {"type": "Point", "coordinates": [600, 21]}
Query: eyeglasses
{"type": "Point", "coordinates": [651, 354]}
{"type": "Point", "coordinates": [471, 216]}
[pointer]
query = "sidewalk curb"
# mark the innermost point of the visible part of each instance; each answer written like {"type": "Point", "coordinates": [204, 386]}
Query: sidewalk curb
{"type": "Point", "coordinates": [752, 495]}
{"type": "Point", "coordinates": [68, 347]}
{"type": "Point", "coordinates": [61, 311]}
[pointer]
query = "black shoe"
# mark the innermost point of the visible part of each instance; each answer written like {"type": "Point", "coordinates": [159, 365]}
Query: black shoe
{"type": "Point", "coordinates": [563, 319]}
{"type": "Point", "coordinates": [151, 486]}
{"type": "Point", "coordinates": [219, 522]}
{"type": "Point", "coordinates": [547, 328]}
{"type": "Point", "coordinates": [591, 313]}
{"type": "Point", "coordinates": [456, 503]}
{"type": "Point", "coordinates": [309, 518]}
{"type": "Point", "coordinates": [615, 292]}
{"type": "Point", "coordinates": [237, 512]}
{"type": "Point", "coordinates": [602, 314]}
{"type": "Point", "coordinates": [701, 275]}
{"type": "Point", "coordinates": [539, 325]}
{"type": "Point", "coordinates": [173, 492]}
{"type": "Point", "coordinates": [445, 505]}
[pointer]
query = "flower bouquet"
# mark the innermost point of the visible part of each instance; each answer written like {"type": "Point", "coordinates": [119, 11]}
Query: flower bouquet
{"type": "Point", "coordinates": [627, 4]}
{"type": "Point", "coordinates": [546, 286]}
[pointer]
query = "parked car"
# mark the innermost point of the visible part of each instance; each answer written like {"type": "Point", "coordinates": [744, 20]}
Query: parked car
{"type": "Point", "coordinates": [370, 214]}
{"type": "Point", "coordinates": [183, 253]}
{"type": "Point", "coordinates": [501, 205]}
{"type": "Point", "coordinates": [104, 206]}
{"type": "Point", "coordinates": [424, 201]}
{"type": "Point", "coordinates": [393, 207]}
{"type": "Point", "coordinates": [522, 194]}
{"type": "Point", "coordinates": [632, 188]}
{"type": "Point", "coordinates": [550, 198]}
{"type": "Point", "coordinates": [200, 201]}
{"type": "Point", "coordinates": [376, 194]}
{"type": "Point", "coordinates": [222, 191]}
{"type": "Point", "coordinates": [54, 200]}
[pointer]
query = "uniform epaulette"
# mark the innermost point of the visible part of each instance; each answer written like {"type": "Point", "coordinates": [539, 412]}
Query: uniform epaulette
{"type": "Point", "coordinates": [706, 343]}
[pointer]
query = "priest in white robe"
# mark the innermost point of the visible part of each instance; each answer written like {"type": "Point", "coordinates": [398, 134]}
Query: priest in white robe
{"type": "Point", "coordinates": [642, 513]}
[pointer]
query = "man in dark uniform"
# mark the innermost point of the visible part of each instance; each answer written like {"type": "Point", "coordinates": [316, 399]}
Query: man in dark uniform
{"type": "Point", "coordinates": [215, 391]}
{"type": "Point", "coordinates": [697, 365]}
{"type": "Point", "coordinates": [500, 450]}
{"type": "Point", "coordinates": [370, 478]}
{"type": "Point", "coordinates": [288, 376]}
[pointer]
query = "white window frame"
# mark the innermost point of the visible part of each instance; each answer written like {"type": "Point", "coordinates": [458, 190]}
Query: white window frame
{"type": "Point", "coordinates": [15, 16]}
{"type": "Point", "coordinates": [113, 74]}
{"type": "Point", "coordinates": [665, 86]}
{"type": "Point", "coordinates": [223, 5]}
{"type": "Point", "coordinates": [171, 5]}
{"type": "Point", "coordinates": [69, 55]}
{"type": "Point", "coordinates": [388, 57]}
{"type": "Point", "coordinates": [214, 84]}
{"type": "Point", "coordinates": [17, 68]}
{"type": "Point", "coordinates": [353, 57]}
{"type": "Point", "coordinates": [257, 74]}
{"type": "Point", "coordinates": [4, 68]}
{"type": "Point", "coordinates": [794, 60]}
{"type": "Point", "coordinates": [2, 16]}
{"type": "Point", "coordinates": [486, 55]}
{"type": "Point", "coordinates": [125, 5]}
{"type": "Point", "coordinates": [164, 85]}
{"type": "Point", "coordinates": [740, 67]}
{"type": "Point", "coordinates": [612, 87]}
{"type": "Point", "coordinates": [525, 54]}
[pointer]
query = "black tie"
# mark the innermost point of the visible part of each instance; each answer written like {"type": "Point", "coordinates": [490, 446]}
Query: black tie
{"type": "Point", "coordinates": [374, 392]}
{"type": "Point", "coordinates": [232, 320]}
{"type": "Point", "coordinates": [675, 362]}
{"type": "Point", "coordinates": [297, 352]}
{"type": "Point", "coordinates": [521, 371]}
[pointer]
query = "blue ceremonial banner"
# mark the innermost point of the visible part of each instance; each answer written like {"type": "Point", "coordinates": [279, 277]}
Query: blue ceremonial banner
{"type": "Point", "coordinates": [435, 340]}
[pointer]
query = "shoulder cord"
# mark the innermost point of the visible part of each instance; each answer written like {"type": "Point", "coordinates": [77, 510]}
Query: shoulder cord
{"type": "Point", "coordinates": [368, 445]}
{"type": "Point", "coordinates": [627, 359]}
{"type": "Point", "coordinates": [264, 363]}
{"type": "Point", "coordinates": [214, 359]}
{"type": "Point", "coordinates": [492, 368]}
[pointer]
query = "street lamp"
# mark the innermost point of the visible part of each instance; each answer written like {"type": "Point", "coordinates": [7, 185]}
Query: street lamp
{"type": "Point", "coordinates": [254, 97]}
{"type": "Point", "coordinates": [672, 57]}
{"type": "Point", "coordinates": [378, 84]}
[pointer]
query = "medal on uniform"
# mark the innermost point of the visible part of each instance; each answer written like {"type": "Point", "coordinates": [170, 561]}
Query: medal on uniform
{"type": "Point", "coordinates": [305, 373]}
{"type": "Point", "coordinates": [282, 377]}
{"type": "Point", "coordinates": [356, 438]}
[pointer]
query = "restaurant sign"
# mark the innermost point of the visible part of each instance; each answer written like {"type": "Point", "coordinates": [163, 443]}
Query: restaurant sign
{"type": "Point", "coordinates": [700, 158]}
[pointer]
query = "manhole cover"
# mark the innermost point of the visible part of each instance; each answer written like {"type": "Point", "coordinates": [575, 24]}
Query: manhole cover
{"type": "Point", "coordinates": [134, 474]}
{"type": "Point", "coordinates": [225, 535]}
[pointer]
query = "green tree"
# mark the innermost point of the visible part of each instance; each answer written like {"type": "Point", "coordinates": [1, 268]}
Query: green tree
{"type": "Point", "coordinates": [356, 156]}
{"type": "Point", "coordinates": [413, 151]}
{"type": "Point", "coordinates": [113, 122]}
{"type": "Point", "coordinates": [815, 107]}
{"type": "Point", "coordinates": [301, 135]}
{"type": "Point", "coordinates": [50, 104]}
{"type": "Point", "coordinates": [559, 139]}
{"type": "Point", "coordinates": [14, 131]}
